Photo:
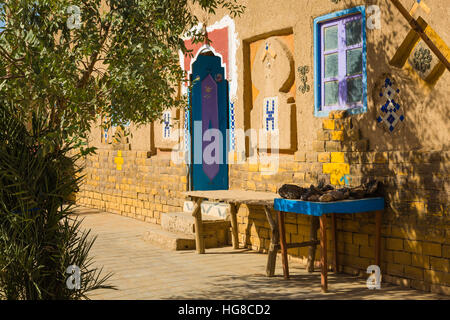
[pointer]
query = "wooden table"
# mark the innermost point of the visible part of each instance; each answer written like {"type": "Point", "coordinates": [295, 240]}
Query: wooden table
{"type": "Point", "coordinates": [235, 198]}
{"type": "Point", "coordinates": [320, 210]}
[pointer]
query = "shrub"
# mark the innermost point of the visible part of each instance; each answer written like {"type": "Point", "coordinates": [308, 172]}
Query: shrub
{"type": "Point", "coordinates": [39, 236]}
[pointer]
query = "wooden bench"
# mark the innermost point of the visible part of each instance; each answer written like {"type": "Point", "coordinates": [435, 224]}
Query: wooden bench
{"type": "Point", "coordinates": [319, 210]}
{"type": "Point", "coordinates": [268, 201]}
{"type": "Point", "coordinates": [234, 198]}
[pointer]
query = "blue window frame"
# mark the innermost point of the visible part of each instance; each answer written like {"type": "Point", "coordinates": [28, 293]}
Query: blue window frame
{"type": "Point", "coordinates": [340, 58]}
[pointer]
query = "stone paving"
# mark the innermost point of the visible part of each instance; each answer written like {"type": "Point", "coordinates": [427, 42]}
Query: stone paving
{"type": "Point", "coordinates": [142, 270]}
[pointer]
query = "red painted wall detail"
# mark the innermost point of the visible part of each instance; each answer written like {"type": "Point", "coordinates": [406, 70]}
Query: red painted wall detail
{"type": "Point", "coordinates": [219, 41]}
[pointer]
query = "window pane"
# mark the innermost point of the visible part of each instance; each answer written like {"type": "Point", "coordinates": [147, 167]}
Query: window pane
{"type": "Point", "coordinates": [354, 90]}
{"type": "Point", "coordinates": [353, 32]}
{"type": "Point", "coordinates": [331, 93]}
{"type": "Point", "coordinates": [331, 65]}
{"type": "Point", "coordinates": [354, 61]}
{"type": "Point", "coordinates": [331, 38]}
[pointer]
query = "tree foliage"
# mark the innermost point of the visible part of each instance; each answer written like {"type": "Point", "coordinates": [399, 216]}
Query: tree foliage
{"type": "Point", "coordinates": [120, 63]}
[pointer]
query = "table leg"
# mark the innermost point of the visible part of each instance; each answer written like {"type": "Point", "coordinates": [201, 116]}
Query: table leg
{"type": "Point", "coordinates": [312, 249]}
{"type": "Point", "coordinates": [323, 244]}
{"type": "Point", "coordinates": [234, 225]}
{"type": "Point", "coordinates": [283, 244]}
{"type": "Point", "coordinates": [334, 235]}
{"type": "Point", "coordinates": [197, 214]}
{"type": "Point", "coordinates": [274, 243]}
{"type": "Point", "coordinates": [378, 218]}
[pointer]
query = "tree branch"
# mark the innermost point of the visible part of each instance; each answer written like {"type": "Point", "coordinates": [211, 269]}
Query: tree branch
{"type": "Point", "coordinates": [5, 54]}
{"type": "Point", "coordinates": [94, 58]}
{"type": "Point", "coordinates": [11, 76]}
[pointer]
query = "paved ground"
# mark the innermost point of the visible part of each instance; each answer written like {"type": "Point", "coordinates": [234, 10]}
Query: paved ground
{"type": "Point", "coordinates": [144, 271]}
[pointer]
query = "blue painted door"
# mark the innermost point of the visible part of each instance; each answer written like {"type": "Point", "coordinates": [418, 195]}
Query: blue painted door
{"type": "Point", "coordinates": [209, 125]}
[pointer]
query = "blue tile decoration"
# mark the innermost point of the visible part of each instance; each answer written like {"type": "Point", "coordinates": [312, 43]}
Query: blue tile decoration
{"type": "Point", "coordinates": [390, 113]}
{"type": "Point", "coordinates": [186, 130]}
{"type": "Point", "coordinates": [232, 127]}
{"type": "Point", "coordinates": [167, 124]}
{"type": "Point", "coordinates": [345, 179]}
{"type": "Point", "coordinates": [106, 130]}
{"type": "Point", "coordinates": [270, 112]}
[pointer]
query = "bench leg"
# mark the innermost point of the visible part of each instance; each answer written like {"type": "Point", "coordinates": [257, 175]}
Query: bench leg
{"type": "Point", "coordinates": [283, 244]}
{"type": "Point", "coordinates": [323, 244]}
{"type": "Point", "coordinates": [199, 239]}
{"type": "Point", "coordinates": [312, 249]}
{"type": "Point", "coordinates": [234, 225]}
{"type": "Point", "coordinates": [274, 243]}
{"type": "Point", "coordinates": [334, 235]}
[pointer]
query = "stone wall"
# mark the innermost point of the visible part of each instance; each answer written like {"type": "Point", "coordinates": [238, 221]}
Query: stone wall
{"type": "Point", "coordinates": [143, 188]}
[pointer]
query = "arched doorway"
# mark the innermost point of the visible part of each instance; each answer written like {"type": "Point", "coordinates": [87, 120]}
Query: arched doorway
{"type": "Point", "coordinates": [209, 124]}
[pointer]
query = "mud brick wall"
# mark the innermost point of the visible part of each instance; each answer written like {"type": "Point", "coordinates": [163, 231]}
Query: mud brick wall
{"type": "Point", "coordinates": [416, 223]}
{"type": "Point", "coordinates": [143, 188]}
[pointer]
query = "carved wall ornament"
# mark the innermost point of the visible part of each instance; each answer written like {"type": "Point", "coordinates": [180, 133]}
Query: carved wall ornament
{"type": "Point", "coordinates": [303, 71]}
{"type": "Point", "coordinates": [419, 56]}
{"type": "Point", "coordinates": [422, 60]}
{"type": "Point", "coordinates": [425, 62]}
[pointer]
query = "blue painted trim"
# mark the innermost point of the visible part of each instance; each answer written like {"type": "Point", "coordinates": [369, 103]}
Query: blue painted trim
{"type": "Point", "coordinates": [230, 122]}
{"type": "Point", "coordinates": [187, 138]}
{"type": "Point", "coordinates": [317, 67]}
{"type": "Point", "coordinates": [320, 208]}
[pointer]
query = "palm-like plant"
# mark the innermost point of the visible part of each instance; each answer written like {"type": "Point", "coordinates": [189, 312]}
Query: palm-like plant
{"type": "Point", "coordinates": [39, 236]}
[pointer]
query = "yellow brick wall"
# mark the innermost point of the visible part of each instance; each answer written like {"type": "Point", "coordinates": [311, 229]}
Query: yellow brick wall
{"type": "Point", "coordinates": [416, 223]}
{"type": "Point", "coordinates": [135, 186]}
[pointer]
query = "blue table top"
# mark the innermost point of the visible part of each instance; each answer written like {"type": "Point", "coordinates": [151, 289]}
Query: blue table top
{"type": "Point", "coordinates": [320, 208]}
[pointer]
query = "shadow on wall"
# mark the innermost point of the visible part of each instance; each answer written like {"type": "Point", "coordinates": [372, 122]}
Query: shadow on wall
{"type": "Point", "coordinates": [413, 160]}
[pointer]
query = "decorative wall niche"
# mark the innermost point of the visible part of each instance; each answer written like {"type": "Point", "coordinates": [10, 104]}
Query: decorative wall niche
{"type": "Point", "coordinates": [273, 91]}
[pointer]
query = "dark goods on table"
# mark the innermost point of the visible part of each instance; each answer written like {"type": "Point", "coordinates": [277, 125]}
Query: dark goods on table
{"type": "Point", "coordinates": [327, 193]}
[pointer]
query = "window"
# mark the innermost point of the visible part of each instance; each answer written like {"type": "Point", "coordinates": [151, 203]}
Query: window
{"type": "Point", "coordinates": [340, 62]}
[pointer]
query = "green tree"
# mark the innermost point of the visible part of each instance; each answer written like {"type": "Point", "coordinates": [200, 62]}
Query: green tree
{"type": "Point", "coordinates": [58, 76]}
{"type": "Point", "coordinates": [119, 62]}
